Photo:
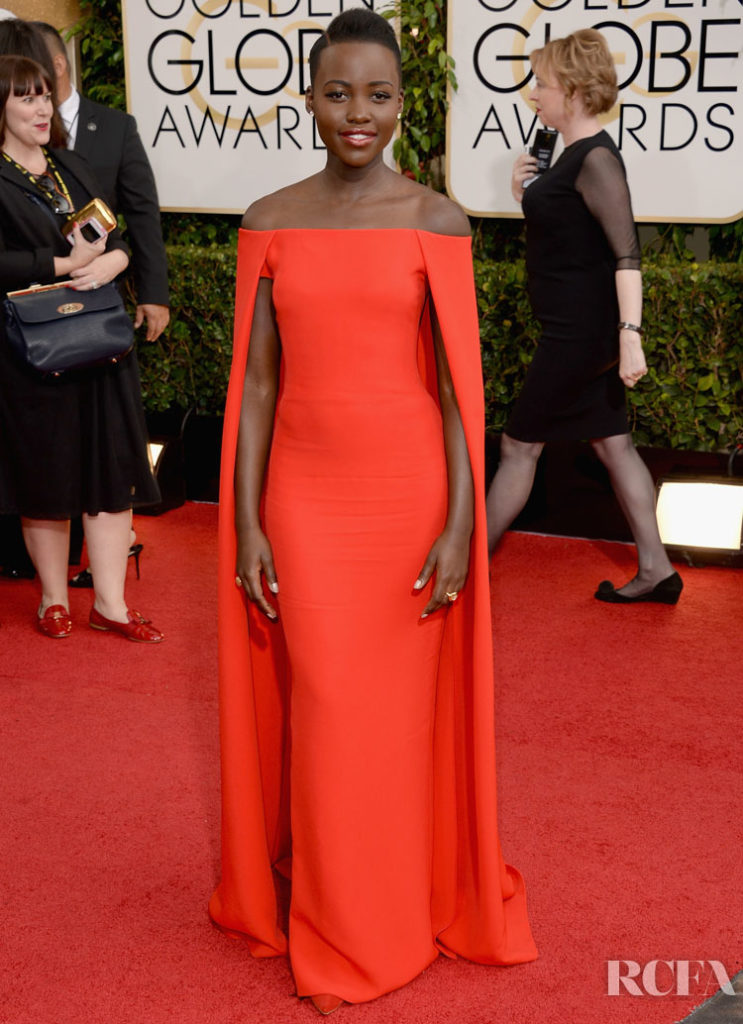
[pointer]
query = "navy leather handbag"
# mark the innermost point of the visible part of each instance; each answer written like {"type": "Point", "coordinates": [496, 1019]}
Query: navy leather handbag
{"type": "Point", "coordinates": [54, 328]}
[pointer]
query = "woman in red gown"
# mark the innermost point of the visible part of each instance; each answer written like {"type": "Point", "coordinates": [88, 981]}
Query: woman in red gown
{"type": "Point", "coordinates": [357, 691]}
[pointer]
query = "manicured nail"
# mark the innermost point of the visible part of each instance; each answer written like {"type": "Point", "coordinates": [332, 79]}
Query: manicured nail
{"type": "Point", "coordinates": [418, 584]}
{"type": "Point", "coordinates": [273, 587]}
{"type": "Point", "coordinates": [424, 615]}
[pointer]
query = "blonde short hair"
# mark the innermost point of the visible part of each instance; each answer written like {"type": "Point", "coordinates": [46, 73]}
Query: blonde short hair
{"type": "Point", "coordinates": [580, 63]}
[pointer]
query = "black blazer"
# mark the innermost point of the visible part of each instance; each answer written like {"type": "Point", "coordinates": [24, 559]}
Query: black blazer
{"type": "Point", "coordinates": [109, 141]}
{"type": "Point", "coordinates": [30, 233]}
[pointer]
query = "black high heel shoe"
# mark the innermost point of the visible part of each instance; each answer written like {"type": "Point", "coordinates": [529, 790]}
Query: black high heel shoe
{"type": "Point", "coordinates": [134, 552]}
{"type": "Point", "coordinates": [667, 591]}
{"type": "Point", "coordinates": [84, 579]}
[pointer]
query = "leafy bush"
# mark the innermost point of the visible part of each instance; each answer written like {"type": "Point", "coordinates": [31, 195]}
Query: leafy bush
{"type": "Point", "coordinates": [427, 72]}
{"type": "Point", "coordinates": [692, 397]}
{"type": "Point", "coordinates": [101, 51]}
{"type": "Point", "coordinates": [189, 364]}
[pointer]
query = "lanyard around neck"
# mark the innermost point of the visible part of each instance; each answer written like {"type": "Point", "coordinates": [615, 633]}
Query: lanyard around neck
{"type": "Point", "coordinates": [51, 171]}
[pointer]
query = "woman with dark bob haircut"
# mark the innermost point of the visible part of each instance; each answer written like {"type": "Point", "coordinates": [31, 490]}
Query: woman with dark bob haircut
{"type": "Point", "coordinates": [73, 445]}
{"type": "Point", "coordinates": [356, 679]}
{"type": "Point", "coordinates": [585, 285]}
{"type": "Point", "coordinates": [20, 39]}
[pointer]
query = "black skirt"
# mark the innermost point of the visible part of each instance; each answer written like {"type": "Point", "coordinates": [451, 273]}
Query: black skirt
{"type": "Point", "coordinates": [567, 396]}
{"type": "Point", "coordinates": [72, 444]}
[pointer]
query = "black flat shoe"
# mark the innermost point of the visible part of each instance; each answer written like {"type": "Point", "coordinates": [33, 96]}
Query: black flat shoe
{"type": "Point", "coordinates": [667, 591]}
{"type": "Point", "coordinates": [84, 579]}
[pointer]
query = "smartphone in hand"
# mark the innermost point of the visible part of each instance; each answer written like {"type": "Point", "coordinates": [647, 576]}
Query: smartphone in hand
{"type": "Point", "coordinates": [95, 219]}
{"type": "Point", "coordinates": [542, 148]}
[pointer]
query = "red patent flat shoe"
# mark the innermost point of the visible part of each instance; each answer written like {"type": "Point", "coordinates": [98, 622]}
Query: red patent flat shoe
{"type": "Point", "coordinates": [55, 622]}
{"type": "Point", "coordinates": [138, 628]}
{"type": "Point", "coordinates": [326, 1003]}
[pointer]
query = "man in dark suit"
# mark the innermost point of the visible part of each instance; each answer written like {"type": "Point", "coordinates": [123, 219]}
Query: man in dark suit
{"type": "Point", "coordinates": [109, 141]}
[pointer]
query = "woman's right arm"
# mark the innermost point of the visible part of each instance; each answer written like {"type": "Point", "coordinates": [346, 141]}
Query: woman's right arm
{"type": "Point", "coordinates": [524, 168]}
{"type": "Point", "coordinates": [21, 267]}
{"type": "Point", "coordinates": [81, 254]}
{"type": "Point", "coordinates": [260, 389]}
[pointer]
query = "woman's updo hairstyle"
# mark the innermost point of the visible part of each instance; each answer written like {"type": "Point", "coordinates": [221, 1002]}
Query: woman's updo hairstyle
{"type": "Point", "coordinates": [357, 25]}
{"type": "Point", "coordinates": [580, 63]}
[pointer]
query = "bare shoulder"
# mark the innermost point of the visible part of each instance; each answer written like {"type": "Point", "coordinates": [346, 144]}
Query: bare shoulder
{"type": "Point", "coordinates": [442, 216]}
{"type": "Point", "coordinates": [261, 215]}
{"type": "Point", "coordinates": [278, 209]}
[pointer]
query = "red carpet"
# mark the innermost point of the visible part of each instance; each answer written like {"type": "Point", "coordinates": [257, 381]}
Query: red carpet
{"type": "Point", "coordinates": [620, 784]}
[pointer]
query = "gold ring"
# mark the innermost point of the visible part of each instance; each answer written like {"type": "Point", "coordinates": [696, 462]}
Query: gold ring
{"type": "Point", "coordinates": [453, 596]}
{"type": "Point", "coordinates": [238, 581]}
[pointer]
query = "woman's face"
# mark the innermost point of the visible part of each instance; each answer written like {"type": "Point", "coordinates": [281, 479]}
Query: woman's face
{"type": "Point", "coordinates": [355, 98]}
{"type": "Point", "coordinates": [28, 119]}
{"type": "Point", "coordinates": [548, 99]}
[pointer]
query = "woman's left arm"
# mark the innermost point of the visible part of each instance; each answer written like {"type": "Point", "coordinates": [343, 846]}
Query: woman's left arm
{"type": "Point", "coordinates": [603, 185]}
{"type": "Point", "coordinates": [450, 553]}
{"type": "Point", "coordinates": [106, 267]}
{"type": "Point", "coordinates": [103, 268]}
{"type": "Point", "coordinates": [632, 365]}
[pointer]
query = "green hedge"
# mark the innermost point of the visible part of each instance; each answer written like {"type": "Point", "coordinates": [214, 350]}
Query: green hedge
{"type": "Point", "coordinates": [189, 364]}
{"type": "Point", "coordinates": [692, 397]}
{"type": "Point", "coordinates": [693, 316]}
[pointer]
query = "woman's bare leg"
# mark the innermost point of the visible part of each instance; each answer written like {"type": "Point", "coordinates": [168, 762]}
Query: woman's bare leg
{"type": "Point", "coordinates": [635, 493]}
{"type": "Point", "coordinates": [107, 539]}
{"type": "Point", "coordinates": [511, 485]}
{"type": "Point", "coordinates": [48, 545]}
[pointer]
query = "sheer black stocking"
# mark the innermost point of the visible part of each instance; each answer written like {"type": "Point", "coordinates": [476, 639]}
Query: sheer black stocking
{"type": "Point", "coordinates": [511, 486]}
{"type": "Point", "coordinates": [635, 493]}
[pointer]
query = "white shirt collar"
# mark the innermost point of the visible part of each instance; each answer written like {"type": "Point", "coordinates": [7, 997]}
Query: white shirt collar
{"type": "Point", "coordinates": [69, 111]}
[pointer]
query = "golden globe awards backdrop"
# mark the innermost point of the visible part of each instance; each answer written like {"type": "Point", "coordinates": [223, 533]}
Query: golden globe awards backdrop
{"type": "Point", "coordinates": [217, 88]}
{"type": "Point", "coordinates": [679, 117]}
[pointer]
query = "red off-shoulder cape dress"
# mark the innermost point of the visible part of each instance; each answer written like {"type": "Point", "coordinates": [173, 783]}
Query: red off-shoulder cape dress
{"type": "Point", "coordinates": [357, 739]}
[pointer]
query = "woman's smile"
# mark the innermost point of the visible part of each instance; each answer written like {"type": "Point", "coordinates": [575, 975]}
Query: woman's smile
{"type": "Point", "coordinates": [358, 137]}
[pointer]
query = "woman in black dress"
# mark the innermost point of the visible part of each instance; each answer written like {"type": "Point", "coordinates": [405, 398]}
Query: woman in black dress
{"type": "Point", "coordinates": [75, 444]}
{"type": "Point", "coordinates": [585, 286]}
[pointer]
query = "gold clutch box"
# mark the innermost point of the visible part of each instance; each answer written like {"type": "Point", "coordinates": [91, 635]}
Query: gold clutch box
{"type": "Point", "coordinates": [95, 220]}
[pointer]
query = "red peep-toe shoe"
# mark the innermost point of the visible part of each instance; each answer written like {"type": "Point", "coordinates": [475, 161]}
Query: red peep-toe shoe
{"type": "Point", "coordinates": [137, 628]}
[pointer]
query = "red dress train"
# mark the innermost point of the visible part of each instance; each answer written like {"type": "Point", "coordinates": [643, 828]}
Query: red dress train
{"type": "Point", "coordinates": [357, 739]}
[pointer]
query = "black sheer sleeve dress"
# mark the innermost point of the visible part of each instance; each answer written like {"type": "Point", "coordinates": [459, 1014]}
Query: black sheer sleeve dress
{"type": "Point", "coordinates": [579, 232]}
